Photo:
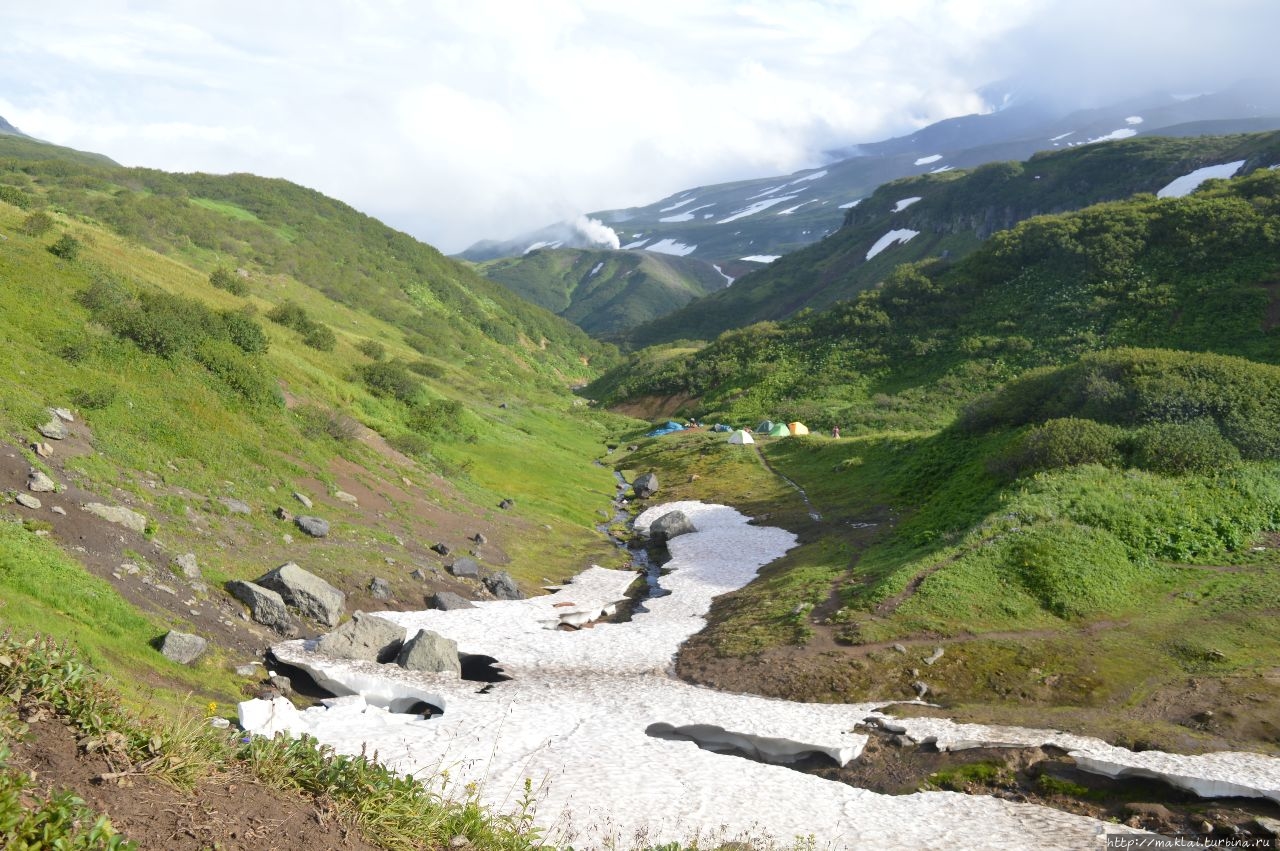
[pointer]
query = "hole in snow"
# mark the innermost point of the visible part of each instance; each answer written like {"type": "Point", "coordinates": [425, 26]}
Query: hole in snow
{"type": "Point", "coordinates": [423, 708]}
{"type": "Point", "coordinates": [479, 668]}
{"type": "Point", "coordinates": [759, 749]}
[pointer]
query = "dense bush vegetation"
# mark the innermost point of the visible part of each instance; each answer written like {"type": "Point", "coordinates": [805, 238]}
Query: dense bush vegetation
{"type": "Point", "coordinates": [224, 279]}
{"type": "Point", "coordinates": [317, 335]}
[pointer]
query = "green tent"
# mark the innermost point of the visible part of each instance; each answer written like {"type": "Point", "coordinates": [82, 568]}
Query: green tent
{"type": "Point", "coordinates": [779, 430]}
{"type": "Point", "coordinates": [765, 427]}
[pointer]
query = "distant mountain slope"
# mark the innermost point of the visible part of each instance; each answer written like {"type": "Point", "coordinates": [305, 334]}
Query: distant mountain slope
{"type": "Point", "coordinates": [16, 145]}
{"type": "Point", "coordinates": [7, 128]}
{"type": "Point", "coordinates": [605, 292]}
{"type": "Point", "coordinates": [954, 213]}
{"type": "Point", "coordinates": [766, 217]}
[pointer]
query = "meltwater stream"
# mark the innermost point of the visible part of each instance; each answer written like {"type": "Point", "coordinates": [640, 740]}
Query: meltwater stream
{"type": "Point", "coordinates": [585, 713]}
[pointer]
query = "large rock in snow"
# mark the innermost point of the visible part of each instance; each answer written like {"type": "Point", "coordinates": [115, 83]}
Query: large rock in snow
{"type": "Point", "coordinates": [671, 525]}
{"type": "Point", "coordinates": [365, 637]}
{"type": "Point", "coordinates": [448, 601]}
{"type": "Point", "coordinates": [266, 607]}
{"type": "Point", "coordinates": [502, 586]}
{"type": "Point", "coordinates": [306, 592]}
{"type": "Point", "coordinates": [430, 651]}
{"type": "Point", "coordinates": [645, 486]}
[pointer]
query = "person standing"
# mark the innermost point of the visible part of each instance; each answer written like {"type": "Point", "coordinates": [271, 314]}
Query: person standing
{"type": "Point", "coordinates": [835, 432]}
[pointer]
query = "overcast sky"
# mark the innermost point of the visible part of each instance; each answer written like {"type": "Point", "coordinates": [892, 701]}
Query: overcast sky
{"type": "Point", "coordinates": [457, 120]}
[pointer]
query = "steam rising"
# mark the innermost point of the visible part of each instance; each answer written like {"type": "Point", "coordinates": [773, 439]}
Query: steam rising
{"type": "Point", "coordinates": [596, 233]}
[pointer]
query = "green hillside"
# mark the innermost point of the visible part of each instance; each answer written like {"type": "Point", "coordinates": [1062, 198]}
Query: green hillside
{"type": "Point", "coordinates": [956, 212]}
{"type": "Point", "coordinates": [605, 292]}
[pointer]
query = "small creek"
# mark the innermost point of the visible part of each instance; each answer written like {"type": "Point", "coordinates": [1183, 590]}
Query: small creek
{"type": "Point", "coordinates": [648, 560]}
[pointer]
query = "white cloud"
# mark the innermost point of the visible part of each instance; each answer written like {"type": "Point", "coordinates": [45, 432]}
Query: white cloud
{"type": "Point", "coordinates": [463, 119]}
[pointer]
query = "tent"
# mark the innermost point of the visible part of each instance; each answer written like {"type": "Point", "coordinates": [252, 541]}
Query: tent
{"type": "Point", "coordinates": [765, 427]}
{"type": "Point", "coordinates": [779, 430]}
{"type": "Point", "coordinates": [797, 428]}
{"type": "Point", "coordinates": [741, 437]}
{"type": "Point", "coordinates": [671, 426]}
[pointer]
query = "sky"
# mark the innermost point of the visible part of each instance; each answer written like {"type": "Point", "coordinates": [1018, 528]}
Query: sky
{"type": "Point", "coordinates": [459, 120]}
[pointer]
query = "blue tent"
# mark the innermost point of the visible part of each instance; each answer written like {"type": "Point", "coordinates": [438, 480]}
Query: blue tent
{"type": "Point", "coordinates": [665, 429]}
{"type": "Point", "coordinates": [721, 427]}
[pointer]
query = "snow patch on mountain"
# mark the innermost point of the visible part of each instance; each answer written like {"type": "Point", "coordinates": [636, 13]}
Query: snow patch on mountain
{"type": "Point", "coordinates": [940, 169]}
{"type": "Point", "coordinates": [534, 246]}
{"type": "Point", "coordinates": [1187, 184]}
{"type": "Point", "coordinates": [933, 158]}
{"type": "Point", "coordinates": [898, 235]}
{"type": "Point", "coordinates": [1062, 136]}
{"type": "Point", "coordinates": [596, 270]}
{"type": "Point", "coordinates": [728, 281]}
{"type": "Point", "coordinates": [817, 175]}
{"type": "Point", "coordinates": [905, 203]}
{"type": "Point", "coordinates": [851, 204]}
{"type": "Point", "coordinates": [686, 216]}
{"type": "Point", "coordinates": [1122, 133]}
{"type": "Point", "coordinates": [1133, 119]}
{"type": "Point", "coordinates": [752, 209]}
{"type": "Point", "coordinates": [791, 210]}
{"type": "Point", "coordinates": [639, 243]}
{"type": "Point", "coordinates": [762, 258]}
{"type": "Point", "coordinates": [678, 204]}
{"type": "Point", "coordinates": [671, 246]}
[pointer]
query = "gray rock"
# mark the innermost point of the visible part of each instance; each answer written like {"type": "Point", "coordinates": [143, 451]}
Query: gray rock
{"type": "Point", "coordinates": [380, 588]}
{"type": "Point", "coordinates": [502, 586]}
{"type": "Point", "coordinates": [671, 525]}
{"type": "Point", "coordinates": [42, 449]}
{"type": "Point", "coordinates": [349, 499]}
{"type": "Point", "coordinates": [430, 651]}
{"type": "Point", "coordinates": [266, 606]}
{"type": "Point", "coordinates": [365, 637]}
{"type": "Point", "coordinates": [467, 568]}
{"type": "Point", "coordinates": [645, 486]}
{"type": "Point", "coordinates": [26, 500]}
{"type": "Point", "coordinates": [119, 515]}
{"type": "Point", "coordinates": [235, 506]}
{"type": "Point", "coordinates": [282, 513]}
{"type": "Point", "coordinates": [419, 574]}
{"type": "Point", "coordinates": [479, 538]}
{"type": "Point", "coordinates": [182, 647]}
{"type": "Point", "coordinates": [302, 498]}
{"type": "Point", "coordinates": [1270, 825]}
{"type": "Point", "coordinates": [54, 429]}
{"type": "Point", "coordinates": [58, 509]}
{"type": "Point", "coordinates": [38, 482]}
{"type": "Point", "coordinates": [249, 670]}
{"type": "Point", "coordinates": [898, 648]}
{"type": "Point", "coordinates": [313, 526]}
{"type": "Point", "coordinates": [448, 601]}
{"type": "Point", "coordinates": [507, 504]}
{"type": "Point", "coordinates": [920, 689]}
{"type": "Point", "coordinates": [937, 654]}
{"type": "Point", "coordinates": [282, 684]}
{"type": "Point", "coordinates": [441, 547]}
{"type": "Point", "coordinates": [63, 414]}
{"type": "Point", "coordinates": [187, 564]}
{"type": "Point", "coordinates": [306, 592]}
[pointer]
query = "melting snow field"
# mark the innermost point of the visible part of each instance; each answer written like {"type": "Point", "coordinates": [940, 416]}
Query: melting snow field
{"type": "Point", "coordinates": [754, 208]}
{"type": "Point", "coordinates": [761, 258]}
{"type": "Point", "coordinates": [585, 712]}
{"type": "Point", "coordinates": [905, 203]}
{"type": "Point", "coordinates": [894, 236]}
{"type": "Point", "coordinates": [671, 246]}
{"type": "Point", "coordinates": [929, 159]}
{"type": "Point", "coordinates": [1187, 184]}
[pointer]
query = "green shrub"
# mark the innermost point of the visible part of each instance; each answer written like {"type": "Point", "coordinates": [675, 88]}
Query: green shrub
{"type": "Point", "coordinates": [315, 423]}
{"type": "Point", "coordinates": [291, 315]}
{"type": "Point", "coordinates": [372, 349]}
{"type": "Point", "coordinates": [390, 379]}
{"type": "Point", "coordinates": [439, 417]}
{"type": "Point", "coordinates": [1177, 448]}
{"type": "Point", "coordinates": [15, 196]}
{"type": "Point", "coordinates": [224, 279]}
{"type": "Point", "coordinates": [1071, 570]}
{"type": "Point", "coordinates": [1061, 443]}
{"type": "Point", "coordinates": [66, 246]}
{"type": "Point", "coordinates": [94, 398]}
{"type": "Point", "coordinates": [246, 376]}
{"type": "Point", "coordinates": [320, 337]}
{"type": "Point", "coordinates": [37, 224]}
{"type": "Point", "coordinates": [244, 332]}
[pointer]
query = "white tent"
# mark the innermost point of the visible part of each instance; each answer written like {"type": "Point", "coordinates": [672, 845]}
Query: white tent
{"type": "Point", "coordinates": [741, 437]}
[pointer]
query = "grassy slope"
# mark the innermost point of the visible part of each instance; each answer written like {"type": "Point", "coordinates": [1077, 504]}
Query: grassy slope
{"type": "Point", "coordinates": [957, 211]}
{"type": "Point", "coordinates": [604, 292]}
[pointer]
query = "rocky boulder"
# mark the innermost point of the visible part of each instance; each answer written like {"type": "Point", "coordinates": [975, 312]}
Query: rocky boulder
{"type": "Point", "coordinates": [302, 498]}
{"type": "Point", "coordinates": [645, 486]}
{"type": "Point", "coordinates": [467, 568]}
{"type": "Point", "coordinates": [119, 515]}
{"type": "Point", "coordinates": [189, 567]}
{"type": "Point", "coordinates": [38, 482]}
{"type": "Point", "coordinates": [671, 525]}
{"type": "Point", "coordinates": [502, 586]}
{"type": "Point", "coordinates": [366, 637]}
{"type": "Point", "coordinates": [313, 526]}
{"type": "Point", "coordinates": [54, 429]}
{"type": "Point", "coordinates": [306, 592]}
{"type": "Point", "coordinates": [448, 601]}
{"type": "Point", "coordinates": [430, 651]}
{"type": "Point", "coordinates": [235, 506]}
{"type": "Point", "coordinates": [182, 647]}
{"type": "Point", "coordinates": [380, 588]}
{"type": "Point", "coordinates": [26, 500]}
{"type": "Point", "coordinates": [266, 607]}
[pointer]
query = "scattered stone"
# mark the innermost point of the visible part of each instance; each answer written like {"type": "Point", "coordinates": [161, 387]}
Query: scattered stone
{"type": "Point", "coordinates": [479, 538]}
{"type": "Point", "coordinates": [54, 429]}
{"type": "Point", "coordinates": [313, 526]}
{"type": "Point", "coordinates": [441, 547]}
{"type": "Point", "coordinates": [302, 498]}
{"type": "Point", "coordinates": [249, 670]}
{"type": "Point", "coordinates": [430, 651]}
{"type": "Point", "coordinates": [671, 525]}
{"type": "Point", "coordinates": [645, 486]}
{"type": "Point", "coordinates": [220, 723]}
{"type": "Point", "coordinates": [447, 601]}
{"type": "Point", "coordinates": [282, 513]}
{"type": "Point", "coordinates": [920, 689]}
{"type": "Point", "coordinates": [119, 515]}
{"type": "Point", "coordinates": [26, 500]}
{"type": "Point", "coordinates": [418, 574]}
{"type": "Point", "coordinates": [58, 509]}
{"type": "Point", "coordinates": [63, 414]}
{"type": "Point", "coordinates": [266, 606]}
{"type": "Point", "coordinates": [38, 482]}
{"type": "Point", "coordinates": [306, 592]}
{"type": "Point", "coordinates": [459, 841]}
{"type": "Point", "coordinates": [901, 741]}
{"type": "Point", "coordinates": [1157, 811]}
{"type": "Point", "coordinates": [365, 637]}
{"type": "Point", "coordinates": [380, 588]}
{"type": "Point", "coordinates": [507, 504]}
{"type": "Point", "coordinates": [349, 499]}
{"type": "Point", "coordinates": [467, 568]}
{"type": "Point", "coordinates": [187, 564]}
{"type": "Point", "coordinates": [937, 654]}
{"type": "Point", "coordinates": [899, 648]}
{"type": "Point", "coordinates": [282, 684]}
{"type": "Point", "coordinates": [502, 586]}
{"type": "Point", "coordinates": [235, 506]}
{"type": "Point", "coordinates": [42, 449]}
{"type": "Point", "coordinates": [287, 538]}
{"type": "Point", "coordinates": [182, 647]}
{"type": "Point", "coordinates": [1204, 827]}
